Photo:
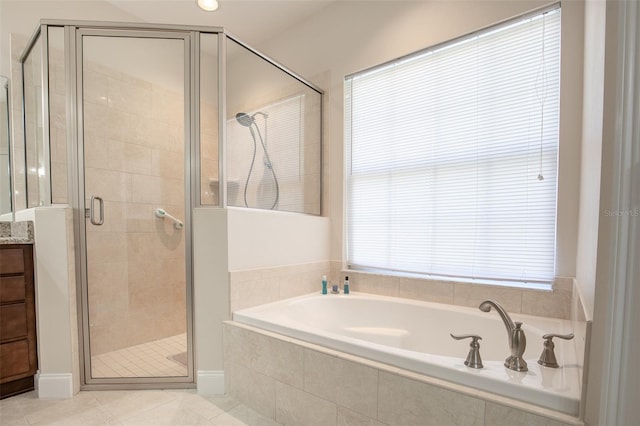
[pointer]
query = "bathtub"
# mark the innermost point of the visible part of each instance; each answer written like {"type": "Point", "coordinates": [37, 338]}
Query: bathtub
{"type": "Point", "coordinates": [414, 335]}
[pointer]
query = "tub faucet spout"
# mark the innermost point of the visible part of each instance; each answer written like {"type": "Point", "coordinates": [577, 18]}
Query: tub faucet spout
{"type": "Point", "coordinates": [517, 339]}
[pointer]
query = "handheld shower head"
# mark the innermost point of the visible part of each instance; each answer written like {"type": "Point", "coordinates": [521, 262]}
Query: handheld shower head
{"type": "Point", "coordinates": [244, 119]}
{"type": "Point", "coordinates": [249, 121]}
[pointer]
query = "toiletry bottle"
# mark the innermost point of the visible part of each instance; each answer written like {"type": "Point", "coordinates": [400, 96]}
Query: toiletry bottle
{"type": "Point", "coordinates": [345, 288]}
{"type": "Point", "coordinates": [324, 284]}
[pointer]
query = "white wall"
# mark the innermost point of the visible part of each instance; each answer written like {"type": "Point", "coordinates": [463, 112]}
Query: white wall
{"type": "Point", "coordinates": [594, 34]}
{"type": "Point", "coordinates": [236, 239]}
{"type": "Point", "coordinates": [22, 17]}
{"type": "Point", "coordinates": [602, 266]}
{"type": "Point", "coordinates": [265, 239]}
{"type": "Point", "coordinates": [614, 379]}
{"type": "Point", "coordinates": [57, 332]}
{"type": "Point", "coordinates": [349, 36]}
{"type": "Point", "coordinates": [211, 295]}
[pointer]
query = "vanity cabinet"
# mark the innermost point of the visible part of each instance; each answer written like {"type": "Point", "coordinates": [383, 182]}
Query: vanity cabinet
{"type": "Point", "coordinates": [18, 355]}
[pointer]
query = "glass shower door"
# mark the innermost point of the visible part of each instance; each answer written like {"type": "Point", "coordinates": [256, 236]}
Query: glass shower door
{"type": "Point", "coordinates": [134, 141]}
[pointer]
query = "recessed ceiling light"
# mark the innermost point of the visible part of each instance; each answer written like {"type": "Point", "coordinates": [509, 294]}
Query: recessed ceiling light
{"type": "Point", "coordinates": [208, 5]}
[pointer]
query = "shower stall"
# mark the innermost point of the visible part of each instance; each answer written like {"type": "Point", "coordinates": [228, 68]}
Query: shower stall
{"type": "Point", "coordinates": [134, 126]}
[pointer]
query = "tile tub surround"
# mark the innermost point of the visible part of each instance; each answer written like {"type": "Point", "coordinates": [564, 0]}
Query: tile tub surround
{"type": "Point", "coordinates": [294, 382]}
{"type": "Point", "coordinates": [414, 335]}
{"type": "Point", "coordinates": [16, 232]}
{"type": "Point", "coordinates": [553, 304]}
{"type": "Point", "coordinates": [564, 302]}
{"type": "Point", "coordinates": [258, 286]}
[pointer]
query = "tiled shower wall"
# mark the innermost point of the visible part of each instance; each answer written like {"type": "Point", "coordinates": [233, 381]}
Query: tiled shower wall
{"type": "Point", "coordinates": [133, 149]}
{"type": "Point", "coordinates": [5, 189]}
{"type": "Point", "coordinates": [134, 143]}
{"type": "Point", "coordinates": [57, 126]}
{"type": "Point", "coordinates": [209, 154]}
{"type": "Point", "coordinates": [18, 152]}
{"type": "Point", "coordinates": [34, 127]}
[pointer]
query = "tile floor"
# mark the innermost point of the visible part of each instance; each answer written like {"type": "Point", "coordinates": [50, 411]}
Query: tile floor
{"type": "Point", "coordinates": [135, 408]}
{"type": "Point", "coordinates": [150, 359]}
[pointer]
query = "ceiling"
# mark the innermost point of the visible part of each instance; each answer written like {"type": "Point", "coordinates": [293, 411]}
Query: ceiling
{"type": "Point", "coordinates": [252, 21]}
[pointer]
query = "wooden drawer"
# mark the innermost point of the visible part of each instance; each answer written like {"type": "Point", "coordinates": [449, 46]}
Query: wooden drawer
{"type": "Point", "coordinates": [11, 261]}
{"type": "Point", "coordinates": [18, 357]}
{"type": "Point", "coordinates": [12, 289]}
{"type": "Point", "coordinates": [13, 321]}
{"type": "Point", "coordinates": [14, 358]}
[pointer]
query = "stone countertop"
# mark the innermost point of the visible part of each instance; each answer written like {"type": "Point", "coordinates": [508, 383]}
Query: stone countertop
{"type": "Point", "coordinates": [16, 232]}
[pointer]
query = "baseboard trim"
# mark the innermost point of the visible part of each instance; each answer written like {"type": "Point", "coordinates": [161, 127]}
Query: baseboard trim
{"type": "Point", "coordinates": [51, 385]}
{"type": "Point", "coordinates": [210, 382]}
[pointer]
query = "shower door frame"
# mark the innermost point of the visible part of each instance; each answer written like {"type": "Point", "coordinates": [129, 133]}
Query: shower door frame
{"type": "Point", "coordinates": [73, 36]}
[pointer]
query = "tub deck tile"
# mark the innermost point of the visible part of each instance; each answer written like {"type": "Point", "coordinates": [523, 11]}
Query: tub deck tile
{"type": "Point", "coordinates": [237, 345]}
{"type": "Point", "coordinates": [348, 417]}
{"type": "Point", "coordinates": [403, 401]}
{"type": "Point", "coordinates": [346, 383]}
{"type": "Point", "coordinates": [296, 407]}
{"type": "Point", "coordinates": [277, 358]}
{"type": "Point", "coordinates": [499, 415]}
{"type": "Point", "coordinates": [252, 388]}
{"type": "Point", "coordinates": [403, 397]}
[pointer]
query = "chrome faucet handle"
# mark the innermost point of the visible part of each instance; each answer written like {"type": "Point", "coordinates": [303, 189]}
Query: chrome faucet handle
{"type": "Point", "coordinates": [473, 358]}
{"type": "Point", "coordinates": [548, 356]}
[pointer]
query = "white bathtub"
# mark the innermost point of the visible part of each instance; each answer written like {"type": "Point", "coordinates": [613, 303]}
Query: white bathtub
{"type": "Point", "coordinates": [414, 336]}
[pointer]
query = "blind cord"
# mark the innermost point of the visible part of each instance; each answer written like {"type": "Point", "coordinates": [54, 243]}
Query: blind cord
{"type": "Point", "coordinates": [541, 93]}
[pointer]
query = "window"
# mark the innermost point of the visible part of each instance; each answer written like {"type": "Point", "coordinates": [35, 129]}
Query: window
{"type": "Point", "coordinates": [452, 157]}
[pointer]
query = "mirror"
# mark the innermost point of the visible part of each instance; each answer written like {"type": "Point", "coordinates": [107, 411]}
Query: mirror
{"type": "Point", "coordinates": [5, 153]}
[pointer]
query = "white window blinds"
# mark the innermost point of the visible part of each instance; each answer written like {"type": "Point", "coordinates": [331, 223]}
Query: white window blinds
{"type": "Point", "coordinates": [452, 157]}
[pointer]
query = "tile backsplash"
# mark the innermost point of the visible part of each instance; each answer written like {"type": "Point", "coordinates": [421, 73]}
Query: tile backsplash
{"type": "Point", "coordinates": [257, 286]}
{"type": "Point", "coordinates": [556, 303]}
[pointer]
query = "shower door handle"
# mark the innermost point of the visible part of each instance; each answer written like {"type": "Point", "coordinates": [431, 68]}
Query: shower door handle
{"type": "Point", "coordinates": [100, 220]}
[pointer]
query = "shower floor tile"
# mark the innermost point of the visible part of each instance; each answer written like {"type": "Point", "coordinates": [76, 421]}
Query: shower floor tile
{"type": "Point", "coordinates": [159, 358]}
